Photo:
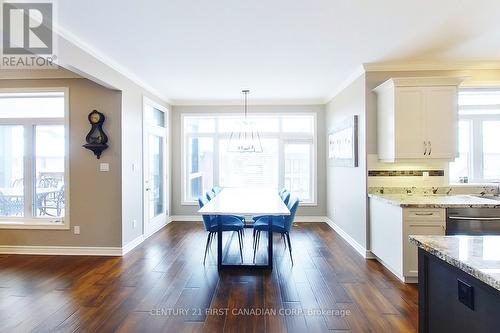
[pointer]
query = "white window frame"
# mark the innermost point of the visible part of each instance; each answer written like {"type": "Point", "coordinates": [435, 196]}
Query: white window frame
{"type": "Point", "coordinates": [283, 137]}
{"type": "Point", "coordinates": [476, 135]}
{"type": "Point", "coordinates": [24, 222]}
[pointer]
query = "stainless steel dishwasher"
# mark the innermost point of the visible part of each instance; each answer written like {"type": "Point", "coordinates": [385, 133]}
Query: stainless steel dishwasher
{"type": "Point", "coordinates": [473, 221]}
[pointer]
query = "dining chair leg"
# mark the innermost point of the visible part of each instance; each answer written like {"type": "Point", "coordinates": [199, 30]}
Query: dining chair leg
{"type": "Point", "coordinates": [212, 238]}
{"type": "Point", "coordinates": [284, 239]}
{"type": "Point", "coordinates": [209, 236]}
{"type": "Point", "coordinates": [289, 246]}
{"type": "Point", "coordinates": [253, 242]}
{"type": "Point", "coordinates": [258, 240]}
{"type": "Point", "coordinates": [240, 239]}
{"type": "Point", "coordinates": [255, 245]}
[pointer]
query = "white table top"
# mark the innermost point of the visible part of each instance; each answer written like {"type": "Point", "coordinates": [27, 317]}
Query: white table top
{"type": "Point", "coordinates": [244, 201]}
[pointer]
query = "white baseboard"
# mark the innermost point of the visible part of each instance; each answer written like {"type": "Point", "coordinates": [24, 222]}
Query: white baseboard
{"type": "Point", "coordinates": [138, 241]}
{"type": "Point", "coordinates": [132, 244]}
{"type": "Point", "coordinates": [186, 218]}
{"type": "Point", "coordinates": [358, 247]}
{"type": "Point", "coordinates": [77, 250]}
{"type": "Point", "coordinates": [62, 250]}
{"type": "Point", "coordinates": [405, 279]}
{"type": "Point", "coordinates": [119, 251]}
{"type": "Point", "coordinates": [313, 219]}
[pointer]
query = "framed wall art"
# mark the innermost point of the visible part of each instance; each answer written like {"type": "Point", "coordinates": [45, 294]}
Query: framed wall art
{"type": "Point", "coordinates": [343, 144]}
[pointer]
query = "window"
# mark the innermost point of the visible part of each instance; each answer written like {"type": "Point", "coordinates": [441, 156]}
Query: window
{"type": "Point", "coordinates": [33, 161]}
{"type": "Point", "coordinates": [478, 137]}
{"type": "Point", "coordinates": [289, 148]}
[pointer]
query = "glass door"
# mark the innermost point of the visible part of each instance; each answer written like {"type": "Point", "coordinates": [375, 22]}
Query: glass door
{"type": "Point", "coordinates": [155, 168]}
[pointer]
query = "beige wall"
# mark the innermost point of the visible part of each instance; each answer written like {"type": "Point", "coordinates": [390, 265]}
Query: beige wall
{"type": "Point", "coordinates": [79, 59]}
{"type": "Point", "coordinates": [95, 196]}
{"type": "Point", "coordinates": [179, 209]}
{"type": "Point", "coordinates": [346, 187]}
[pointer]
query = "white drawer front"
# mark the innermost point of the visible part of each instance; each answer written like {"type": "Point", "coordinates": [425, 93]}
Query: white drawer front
{"type": "Point", "coordinates": [423, 214]}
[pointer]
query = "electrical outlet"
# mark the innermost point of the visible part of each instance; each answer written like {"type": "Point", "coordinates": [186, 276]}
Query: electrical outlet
{"type": "Point", "coordinates": [134, 224]}
{"type": "Point", "coordinates": [104, 167]}
{"type": "Point", "coordinates": [76, 229]}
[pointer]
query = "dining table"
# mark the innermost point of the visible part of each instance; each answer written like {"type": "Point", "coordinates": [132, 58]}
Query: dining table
{"type": "Point", "coordinates": [246, 202]}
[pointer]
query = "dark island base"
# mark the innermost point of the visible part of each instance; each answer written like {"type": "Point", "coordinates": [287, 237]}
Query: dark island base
{"type": "Point", "coordinates": [451, 300]}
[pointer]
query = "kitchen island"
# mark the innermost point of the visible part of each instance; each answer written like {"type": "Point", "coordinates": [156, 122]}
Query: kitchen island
{"type": "Point", "coordinates": [459, 283]}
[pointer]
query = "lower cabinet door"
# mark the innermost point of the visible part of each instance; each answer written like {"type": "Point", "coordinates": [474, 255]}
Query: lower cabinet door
{"type": "Point", "coordinates": [410, 253]}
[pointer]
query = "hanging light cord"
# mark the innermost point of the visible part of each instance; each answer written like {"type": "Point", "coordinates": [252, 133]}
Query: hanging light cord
{"type": "Point", "coordinates": [245, 92]}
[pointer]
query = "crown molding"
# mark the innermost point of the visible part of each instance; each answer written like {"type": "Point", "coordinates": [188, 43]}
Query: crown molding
{"type": "Point", "coordinates": [360, 70]}
{"type": "Point", "coordinates": [239, 102]}
{"type": "Point", "coordinates": [93, 52]}
{"type": "Point", "coordinates": [429, 66]}
{"type": "Point", "coordinates": [419, 82]}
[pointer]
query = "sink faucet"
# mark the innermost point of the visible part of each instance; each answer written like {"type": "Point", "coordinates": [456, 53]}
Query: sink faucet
{"type": "Point", "coordinates": [483, 192]}
{"type": "Point", "coordinates": [410, 190]}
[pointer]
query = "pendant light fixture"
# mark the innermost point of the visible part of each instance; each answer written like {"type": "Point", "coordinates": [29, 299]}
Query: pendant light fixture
{"type": "Point", "coordinates": [245, 138]}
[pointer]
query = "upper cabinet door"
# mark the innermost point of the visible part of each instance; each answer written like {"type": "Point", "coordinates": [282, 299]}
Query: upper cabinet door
{"type": "Point", "coordinates": [441, 113]}
{"type": "Point", "coordinates": [410, 123]}
{"type": "Point", "coordinates": [417, 118]}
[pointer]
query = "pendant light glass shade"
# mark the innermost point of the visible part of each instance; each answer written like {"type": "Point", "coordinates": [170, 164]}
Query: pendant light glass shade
{"type": "Point", "coordinates": [245, 138]}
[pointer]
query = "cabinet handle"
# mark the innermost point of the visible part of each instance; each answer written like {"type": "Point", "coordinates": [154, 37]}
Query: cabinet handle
{"type": "Point", "coordinates": [425, 225]}
{"type": "Point", "coordinates": [424, 214]}
{"type": "Point", "coordinates": [425, 146]}
{"type": "Point", "coordinates": [430, 148]}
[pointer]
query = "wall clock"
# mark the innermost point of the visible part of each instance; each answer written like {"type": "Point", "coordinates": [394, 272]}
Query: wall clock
{"type": "Point", "coordinates": [96, 139]}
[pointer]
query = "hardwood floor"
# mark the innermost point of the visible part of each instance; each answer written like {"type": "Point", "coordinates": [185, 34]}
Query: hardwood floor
{"type": "Point", "coordinates": [162, 286]}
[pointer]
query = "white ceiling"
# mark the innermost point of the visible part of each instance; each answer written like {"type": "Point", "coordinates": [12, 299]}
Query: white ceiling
{"type": "Point", "coordinates": [291, 51]}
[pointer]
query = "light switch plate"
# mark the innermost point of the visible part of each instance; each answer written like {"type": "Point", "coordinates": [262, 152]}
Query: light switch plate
{"type": "Point", "coordinates": [104, 167]}
{"type": "Point", "coordinates": [76, 229]}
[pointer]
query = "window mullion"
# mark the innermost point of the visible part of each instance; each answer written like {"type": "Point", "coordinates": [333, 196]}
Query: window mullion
{"type": "Point", "coordinates": [29, 172]}
{"type": "Point", "coordinates": [281, 155]}
{"type": "Point", "coordinates": [477, 142]}
{"type": "Point", "coordinates": [217, 157]}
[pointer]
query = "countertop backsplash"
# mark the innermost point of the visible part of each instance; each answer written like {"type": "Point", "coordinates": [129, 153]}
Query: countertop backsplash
{"type": "Point", "coordinates": [484, 190]}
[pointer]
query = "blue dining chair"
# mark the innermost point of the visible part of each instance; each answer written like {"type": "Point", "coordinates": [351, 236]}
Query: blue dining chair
{"type": "Point", "coordinates": [210, 195]}
{"type": "Point", "coordinates": [229, 223]}
{"type": "Point", "coordinates": [282, 224]}
{"type": "Point", "coordinates": [285, 197]}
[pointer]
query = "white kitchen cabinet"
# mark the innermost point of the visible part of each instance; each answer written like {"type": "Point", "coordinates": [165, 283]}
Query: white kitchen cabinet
{"type": "Point", "coordinates": [417, 118]}
{"type": "Point", "coordinates": [419, 221]}
{"type": "Point", "coordinates": [390, 227]}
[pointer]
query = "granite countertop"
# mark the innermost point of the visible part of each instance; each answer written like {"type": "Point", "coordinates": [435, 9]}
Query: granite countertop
{"type": "Point", "coordinates": [436, 201]}
{"type": "Point", "coordinates": [478, 256]}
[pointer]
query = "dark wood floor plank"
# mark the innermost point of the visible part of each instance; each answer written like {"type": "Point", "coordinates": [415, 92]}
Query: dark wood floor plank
{"type": "Point", "coordinates": [147, 290]}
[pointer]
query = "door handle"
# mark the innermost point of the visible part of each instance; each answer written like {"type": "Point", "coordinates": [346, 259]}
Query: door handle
{"type": "Point", "coordinates": [467, 218]}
